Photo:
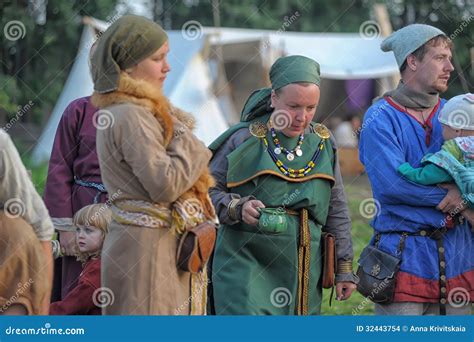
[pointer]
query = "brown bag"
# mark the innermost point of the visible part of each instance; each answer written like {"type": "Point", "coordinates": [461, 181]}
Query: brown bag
{"type": "Point", "coordinates": [329, 260]}
{"type": "Point", "coordinates": [196, 246]}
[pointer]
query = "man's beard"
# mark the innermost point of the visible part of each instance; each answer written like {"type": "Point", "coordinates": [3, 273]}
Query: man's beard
{"type": "Point", "coordinates": [439, 87]}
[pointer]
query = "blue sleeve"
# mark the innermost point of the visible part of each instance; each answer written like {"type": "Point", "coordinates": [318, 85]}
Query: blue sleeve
{"type": "Point", "coordinates": [382, 154]}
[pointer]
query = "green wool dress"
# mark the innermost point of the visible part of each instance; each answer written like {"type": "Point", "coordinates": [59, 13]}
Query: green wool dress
{"type": "Point", "coordinates": [257, 272]}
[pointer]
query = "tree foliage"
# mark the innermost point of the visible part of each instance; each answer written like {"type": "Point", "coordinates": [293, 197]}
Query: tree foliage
{"type": "Point", "coordinates": [35, 67]}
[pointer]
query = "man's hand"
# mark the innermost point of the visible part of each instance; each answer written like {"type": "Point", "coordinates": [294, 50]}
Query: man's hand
{"type": "Point", "coordinates": [344, 289]}
{"type": "Point", "coordinates": [452, 203]}
{"type": "Point", "coordinates": [67, 241]}
{"type": "Point", "coordinates": [250, 214]}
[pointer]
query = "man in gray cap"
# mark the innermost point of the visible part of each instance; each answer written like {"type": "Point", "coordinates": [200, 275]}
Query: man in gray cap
{"type": "Point", "coordinates": [415, 222]}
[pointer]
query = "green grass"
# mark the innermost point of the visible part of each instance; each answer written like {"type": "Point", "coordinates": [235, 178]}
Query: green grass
{"type": "Point", "coordinates": [38, 174]}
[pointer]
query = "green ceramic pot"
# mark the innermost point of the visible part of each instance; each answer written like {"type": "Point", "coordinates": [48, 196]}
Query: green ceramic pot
{"type": "Point", "coordinates": [272, 220]}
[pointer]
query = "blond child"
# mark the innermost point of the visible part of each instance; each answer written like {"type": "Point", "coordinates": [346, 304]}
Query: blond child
{"type": "Point", "coordinates": [91, 227]}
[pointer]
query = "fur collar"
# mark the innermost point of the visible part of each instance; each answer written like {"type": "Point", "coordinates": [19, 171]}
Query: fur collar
{"type": "Point", "coordinates": [142, 93]}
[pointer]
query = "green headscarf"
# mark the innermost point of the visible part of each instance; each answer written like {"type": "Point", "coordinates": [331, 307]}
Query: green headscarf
{"type": "Point", "coordinates": [127, 42]}
{"type": "Point", "coordinates": [286, 70]}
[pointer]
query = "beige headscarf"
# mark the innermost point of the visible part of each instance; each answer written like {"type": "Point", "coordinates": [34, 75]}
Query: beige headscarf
{"type": "Point", "coordinates": [127, 42]}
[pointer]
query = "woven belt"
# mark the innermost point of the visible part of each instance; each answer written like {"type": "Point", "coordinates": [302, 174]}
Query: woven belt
{"type": "Point", "coordinates": [436, 235]}
{"type": "Point", "coordinates": [98, 186]}
{"type": "Point", "coordinates": [304, 258]}
{"type": "Point", "coordinates": [292, 212]}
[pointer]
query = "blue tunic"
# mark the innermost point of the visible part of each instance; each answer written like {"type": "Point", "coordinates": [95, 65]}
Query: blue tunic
{"type": "Point", "coordinates": [389, 138]}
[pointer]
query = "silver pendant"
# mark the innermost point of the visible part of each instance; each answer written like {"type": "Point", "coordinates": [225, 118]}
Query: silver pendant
{"type": "Point", "coordinates": [277, 150]}
{"type": "Point", "coordinates": [299, 152]}
{"type": "Point", "coordinates": [290, 156]}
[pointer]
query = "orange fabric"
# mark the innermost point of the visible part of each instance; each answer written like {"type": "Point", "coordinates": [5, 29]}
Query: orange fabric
{"type": "Point", "coordinates": [23, 271]}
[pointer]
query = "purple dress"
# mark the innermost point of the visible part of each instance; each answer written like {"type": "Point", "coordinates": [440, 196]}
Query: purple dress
{"type": "Point", "coordinates": [73, 162]}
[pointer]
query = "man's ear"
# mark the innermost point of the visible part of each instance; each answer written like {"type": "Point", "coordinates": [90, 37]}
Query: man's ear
{"type": "Point", "coordinates": [412, 62]}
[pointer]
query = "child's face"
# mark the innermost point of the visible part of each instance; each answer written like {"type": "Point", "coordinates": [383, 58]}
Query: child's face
{"type": "Point", "coordinates": [451, 133]}
{"type": "Point", "coordinates": [89, 239]}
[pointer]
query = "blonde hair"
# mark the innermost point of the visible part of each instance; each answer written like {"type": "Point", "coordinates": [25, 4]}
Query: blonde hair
{"type": "Point", "coordinates": [95, 215]}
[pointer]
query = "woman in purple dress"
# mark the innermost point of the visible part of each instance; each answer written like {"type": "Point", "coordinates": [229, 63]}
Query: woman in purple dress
{"type": "Point", "coordinates": [73, 182]}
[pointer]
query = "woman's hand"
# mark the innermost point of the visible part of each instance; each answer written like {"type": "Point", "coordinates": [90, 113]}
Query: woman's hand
{"type": "Point", "coordinates": [344, 289]}
{"type": "Point", "coordinates": [68, 242]}
{"type": "Point", "coordinates": [250, 213]}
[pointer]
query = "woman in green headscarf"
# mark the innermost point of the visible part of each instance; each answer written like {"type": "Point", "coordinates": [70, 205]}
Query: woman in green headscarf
{"type": "Point", "coordinates": [277, 160]}
{"type": "Point", "coordinates": [155, 171]}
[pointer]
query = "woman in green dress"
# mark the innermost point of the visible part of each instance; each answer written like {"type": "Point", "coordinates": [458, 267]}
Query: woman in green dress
{"type": "Point", "coordinates": [276, 157]}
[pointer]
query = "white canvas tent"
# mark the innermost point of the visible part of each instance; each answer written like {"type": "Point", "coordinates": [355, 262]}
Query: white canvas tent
{"type": "Point", "coordinates": [341, 55]}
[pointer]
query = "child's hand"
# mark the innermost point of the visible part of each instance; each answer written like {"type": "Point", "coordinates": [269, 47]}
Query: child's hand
{"type": "Point", "coordinates": [453, 201]}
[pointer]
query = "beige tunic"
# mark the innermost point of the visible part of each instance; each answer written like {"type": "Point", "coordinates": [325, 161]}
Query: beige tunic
{"type": "Point", "coordinates": [24, 222]}
{"type": "Point", "coordinates": [18, 193]}
{"type": "Point", "coordinates": [23, 276]}
{"type": "Point", "coordinates": [139, 263]}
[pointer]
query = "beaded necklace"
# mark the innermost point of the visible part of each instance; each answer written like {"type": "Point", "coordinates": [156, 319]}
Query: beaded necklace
{"type": "Point", "coordinates": [290, 154]}
{"type": "Point", "coordinates": [288, 171]}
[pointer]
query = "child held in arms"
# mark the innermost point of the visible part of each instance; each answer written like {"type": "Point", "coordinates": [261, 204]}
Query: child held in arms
{"type": "Point", "coordinates": [91, 227]}
{"type": "Point", "coordinates": [455, 161]}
